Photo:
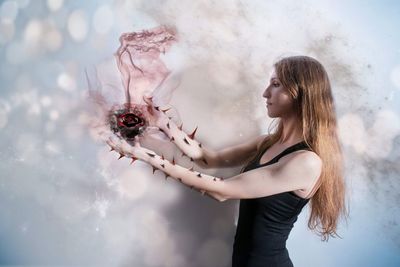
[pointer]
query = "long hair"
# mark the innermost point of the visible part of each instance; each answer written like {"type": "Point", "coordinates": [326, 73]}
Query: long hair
{"type": "Point", "coordinates": [308, 83]}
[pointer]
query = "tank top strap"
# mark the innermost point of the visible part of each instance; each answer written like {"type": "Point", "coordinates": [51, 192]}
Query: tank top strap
{"type": "Point", "coordinates": [299, 146]}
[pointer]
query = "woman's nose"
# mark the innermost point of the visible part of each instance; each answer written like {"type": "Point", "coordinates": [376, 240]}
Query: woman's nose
{"type": "Point", "coordinates": [266, 93]}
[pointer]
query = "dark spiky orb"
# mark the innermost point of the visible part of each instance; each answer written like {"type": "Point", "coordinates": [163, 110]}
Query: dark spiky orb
{"type": "Point", "coordinates": [128, 121]}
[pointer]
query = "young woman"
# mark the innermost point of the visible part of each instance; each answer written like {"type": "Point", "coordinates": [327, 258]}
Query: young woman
{"type": "Point", "coordinates": [300, 162]}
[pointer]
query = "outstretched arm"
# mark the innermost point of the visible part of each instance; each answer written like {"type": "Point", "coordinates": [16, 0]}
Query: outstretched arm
{"type": "Point", "coordinates": [201, 155]}
{"type": "Point", "coordinates": [170, 168]}
{"type": "Point", "coordinates": [207, 158]}
{"type": "Point", "coordinates": [297, 172]}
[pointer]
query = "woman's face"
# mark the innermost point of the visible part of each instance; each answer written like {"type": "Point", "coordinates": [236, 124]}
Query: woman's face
{"type": "Point", "coordinates": [279, 101]}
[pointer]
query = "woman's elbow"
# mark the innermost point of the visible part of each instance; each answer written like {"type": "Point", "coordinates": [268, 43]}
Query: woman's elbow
{"type": "Point", "coordinates": [216, 196]}
{"type": "Point", "coordinates": [221, 198]}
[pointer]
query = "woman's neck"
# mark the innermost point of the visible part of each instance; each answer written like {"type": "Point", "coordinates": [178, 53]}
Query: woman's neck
{"type": "Point", "coordinates": [292, 131]}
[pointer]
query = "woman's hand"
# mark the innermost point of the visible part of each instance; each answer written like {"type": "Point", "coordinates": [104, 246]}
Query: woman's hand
{"type": "Point", "coordinates": [156, 116]}
{"type": "Point", "coordinates": [125, 149]}
{"type": "Point", "coordinates": [171, 169]}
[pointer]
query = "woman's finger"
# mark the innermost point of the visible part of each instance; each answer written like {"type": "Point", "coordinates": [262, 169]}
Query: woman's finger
{"type": "Point", "coordinates": [148, 100]}
{"type": "Point", "coordinates": [149, 103]}
{"type": "Point", "coordinates": [137, 143]}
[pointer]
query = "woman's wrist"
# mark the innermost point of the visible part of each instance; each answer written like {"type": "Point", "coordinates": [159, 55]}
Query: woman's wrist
{"type": "Point", "coordinates": [162, 121]}
{"type": "Point", "coordinates": [186, 143]}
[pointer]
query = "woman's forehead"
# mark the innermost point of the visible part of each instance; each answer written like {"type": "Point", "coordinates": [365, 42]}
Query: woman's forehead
{"type": "Point", "coordinates": [272, 74]}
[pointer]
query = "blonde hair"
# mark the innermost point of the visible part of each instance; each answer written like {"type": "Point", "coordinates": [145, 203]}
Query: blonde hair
{"type": "Point", "coordinates": [308, 83]}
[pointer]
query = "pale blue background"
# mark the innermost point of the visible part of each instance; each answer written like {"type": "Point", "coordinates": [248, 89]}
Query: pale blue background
{"type": "Point", "coordinates": [64, 200]}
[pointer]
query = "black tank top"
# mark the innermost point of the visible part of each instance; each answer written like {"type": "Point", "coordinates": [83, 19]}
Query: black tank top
{"type": "Point", "coordinates": [264, 223]}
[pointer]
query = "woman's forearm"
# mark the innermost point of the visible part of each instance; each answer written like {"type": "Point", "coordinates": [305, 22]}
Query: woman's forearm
{"type": "Point", "coordinates": [195, 180]}
{"type": "Point", "coordinates": [206, 184]}
{"type": "Point", "coordinates": [188, 177]}
{"type": "Point", "coordinates": [188, 144]}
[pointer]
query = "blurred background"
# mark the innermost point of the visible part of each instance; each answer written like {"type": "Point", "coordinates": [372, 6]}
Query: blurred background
{"type": "Point", "coordinates": [66, 200]}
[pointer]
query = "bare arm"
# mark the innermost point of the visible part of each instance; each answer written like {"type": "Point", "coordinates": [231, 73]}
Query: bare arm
{"type": "Point", "coordinates": [300, 171]}
{"type": "Point", "coordinates": [205, 157]}
{"type": "Point", "coordinates": [234, 155]}
{"type": "Point", "coordinates": [202, 156]}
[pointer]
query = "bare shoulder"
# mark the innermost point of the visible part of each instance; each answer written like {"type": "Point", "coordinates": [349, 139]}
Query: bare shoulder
{"type": "Point", "coordinates": [304, 162]}
{"type": "Point", "coordinates": [310, 158]}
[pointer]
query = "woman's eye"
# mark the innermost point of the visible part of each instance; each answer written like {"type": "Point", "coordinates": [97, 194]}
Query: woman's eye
{"type": "Point", "coordinates": [275, 84]}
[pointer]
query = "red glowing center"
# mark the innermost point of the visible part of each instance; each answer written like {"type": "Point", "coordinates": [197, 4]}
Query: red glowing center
{"type": "Point", "coordinates": [129, 120]}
